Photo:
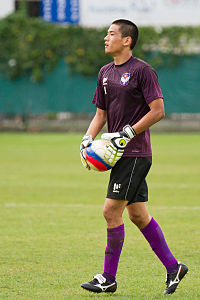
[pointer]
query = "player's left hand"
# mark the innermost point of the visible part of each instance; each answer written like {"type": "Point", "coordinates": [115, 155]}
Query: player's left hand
{"type": "Point", "coordinates": [119, 141]}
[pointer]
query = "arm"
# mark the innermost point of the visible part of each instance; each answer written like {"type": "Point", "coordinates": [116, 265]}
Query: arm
{"type": "Point", "coordinates": [155, 114]}
{"type": "Point", "coordinates": [119, 140]}
{"type": "Point", "coordinates": [97, 123]}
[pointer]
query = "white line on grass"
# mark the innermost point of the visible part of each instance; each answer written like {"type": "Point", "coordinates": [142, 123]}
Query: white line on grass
{"type": "Point", "coordinates": [177, 186]}
{"type": "Point", "coordinates": [76, 205]}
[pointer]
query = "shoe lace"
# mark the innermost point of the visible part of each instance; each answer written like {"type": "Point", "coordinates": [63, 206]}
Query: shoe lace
{"type": "Point", "coordinates": [98, 279]}
{"type": "Point", "coordinates": [94, 281]}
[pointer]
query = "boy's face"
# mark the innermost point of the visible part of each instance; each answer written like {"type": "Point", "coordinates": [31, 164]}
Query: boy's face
{"type": "Point", "coordinates": [114, 42]}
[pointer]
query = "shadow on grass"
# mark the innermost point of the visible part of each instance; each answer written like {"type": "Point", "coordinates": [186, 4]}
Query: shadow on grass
{"type": "Point", "coordinates": [104, 295]}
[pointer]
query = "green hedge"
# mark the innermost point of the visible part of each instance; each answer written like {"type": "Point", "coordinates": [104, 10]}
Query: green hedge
{"type": "Point", "coordinates": [32, 47]}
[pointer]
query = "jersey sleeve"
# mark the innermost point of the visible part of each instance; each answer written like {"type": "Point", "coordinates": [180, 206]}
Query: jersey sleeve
{"type": "Point", "coordinates": [149, 85]}
{"type": "Point", "coordinates": [99, 99]}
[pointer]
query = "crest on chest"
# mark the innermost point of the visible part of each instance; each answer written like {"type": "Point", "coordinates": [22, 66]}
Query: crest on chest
{"type": "Point", "coordinates": [125, 79]}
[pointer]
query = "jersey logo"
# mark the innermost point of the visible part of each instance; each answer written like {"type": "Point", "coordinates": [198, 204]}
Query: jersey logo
{"type": "Point", "coordinates": [104, 84]}
{"type": "Point", "coordinates": [125, 78]}
{"type": "Point", "coordinates": [105, 80]}
{"type": "Point", "coordinates": [116, 187]}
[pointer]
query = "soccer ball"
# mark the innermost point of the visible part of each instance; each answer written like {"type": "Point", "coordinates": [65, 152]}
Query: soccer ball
{"type": "Point", "coordinates": [94, 155]}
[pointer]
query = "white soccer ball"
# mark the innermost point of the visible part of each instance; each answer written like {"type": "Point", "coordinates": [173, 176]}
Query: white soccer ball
{"type": "Point", "coordinates": [95, 155]}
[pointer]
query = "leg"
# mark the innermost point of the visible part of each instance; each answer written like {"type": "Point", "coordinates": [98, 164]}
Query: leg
{"type": "Point", "coordinates": [176, 271]}
{"type": "Point", "coordinates": [127, 175]}
{"type": "Point", "coordinates": [139, 215]}
{"type": "Point", "coordinates": [113, 210]}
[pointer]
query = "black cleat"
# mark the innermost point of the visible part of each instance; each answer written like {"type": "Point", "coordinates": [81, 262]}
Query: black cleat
{"type": "Point", "coordinates": [173, 279]}
{"type": "Point", "coordinates": [100, 284]}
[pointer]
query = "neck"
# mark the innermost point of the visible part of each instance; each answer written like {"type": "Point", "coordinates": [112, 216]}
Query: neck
{"type": "Point", "coordinates": [122, 58]}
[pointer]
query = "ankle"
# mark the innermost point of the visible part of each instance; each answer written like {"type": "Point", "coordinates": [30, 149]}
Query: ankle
{"type": "Point", "coordinates": [108, 277]}
{"type": "Point", "coordinates": [172, 268]}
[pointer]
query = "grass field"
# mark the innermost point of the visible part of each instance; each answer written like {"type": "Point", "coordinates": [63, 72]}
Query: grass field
{"type": "Point", "coordinates": [53, 233]}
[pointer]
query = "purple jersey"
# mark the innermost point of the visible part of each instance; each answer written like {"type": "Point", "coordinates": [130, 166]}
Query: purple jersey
{"type": "Point", "coordinates": [125, 91]}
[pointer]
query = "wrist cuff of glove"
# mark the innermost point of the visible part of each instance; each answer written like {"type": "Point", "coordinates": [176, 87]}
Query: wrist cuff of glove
{"type": "Point", "coordinates": [87, 137]}
{"type": "Point", "coordinates": [129, 131]}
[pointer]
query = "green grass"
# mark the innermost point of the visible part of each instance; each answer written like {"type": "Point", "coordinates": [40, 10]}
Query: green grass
{"type": "Point", "coordinates": [53, 233]}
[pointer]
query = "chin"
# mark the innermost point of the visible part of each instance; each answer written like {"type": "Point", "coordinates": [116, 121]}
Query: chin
{"type": "Point", "coordinates": [108, 52]}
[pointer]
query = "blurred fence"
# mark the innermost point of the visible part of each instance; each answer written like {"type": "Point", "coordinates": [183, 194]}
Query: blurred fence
{"type": "Point", "coordinates": [62, 91]}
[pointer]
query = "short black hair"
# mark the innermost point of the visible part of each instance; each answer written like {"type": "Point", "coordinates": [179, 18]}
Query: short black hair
{"type": "Point", "coordinates": [128, 28]}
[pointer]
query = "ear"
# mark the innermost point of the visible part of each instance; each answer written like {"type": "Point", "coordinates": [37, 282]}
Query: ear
{"type": "Point", "coordinates": [127, 41]}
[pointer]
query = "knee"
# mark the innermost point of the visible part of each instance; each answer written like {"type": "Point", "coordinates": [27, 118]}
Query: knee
{"type": "Point", "coordinates": [140, 220]}
{"type": "Point", "coordinates": [107, 214]}
{"type": "Point", "coordinates": [112, 219]}
{"type": "Point", "coordinates": [112, 212]}
{"type": "Point", "coordinates": [135, 218]}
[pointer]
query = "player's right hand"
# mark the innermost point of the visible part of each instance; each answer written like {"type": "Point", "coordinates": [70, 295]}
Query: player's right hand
{"type": "Point", "coordinates": [118, 142]}
{"type": "Point", "coordinates": [86, 140]}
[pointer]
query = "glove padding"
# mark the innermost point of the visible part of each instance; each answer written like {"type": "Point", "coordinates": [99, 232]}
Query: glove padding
{"type": "Point", "coordinates": [86, 140]}
{"type": "Point", "coordinates": [119, 141]}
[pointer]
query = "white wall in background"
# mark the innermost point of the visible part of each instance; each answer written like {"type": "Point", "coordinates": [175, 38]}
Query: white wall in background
{"type": "Point", "coordinates": [142, 12]}
{"type": "Point", "coordinates": [6, 7]}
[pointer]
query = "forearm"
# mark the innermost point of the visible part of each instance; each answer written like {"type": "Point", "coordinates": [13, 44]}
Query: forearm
{"type": "Point", "coordinates": [147, 121]}
{"type": "Point", "coordinates": [97, 124]}
{"type": "Point", "coordinates": [155, 114]}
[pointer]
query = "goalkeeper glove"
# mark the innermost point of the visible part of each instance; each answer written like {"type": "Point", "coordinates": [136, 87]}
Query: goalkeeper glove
{"type": "Point", "coordinates": [86, 140]}
{"type": "Point", "coordinates": [119, 141]}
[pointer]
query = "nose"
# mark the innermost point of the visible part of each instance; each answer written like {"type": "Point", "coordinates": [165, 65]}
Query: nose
{"type": "Point", "coordinates": [106, 38]}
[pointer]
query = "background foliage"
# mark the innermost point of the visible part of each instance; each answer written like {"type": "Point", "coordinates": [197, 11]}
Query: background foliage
{"type": "Point", "coordinates": [30, 46]}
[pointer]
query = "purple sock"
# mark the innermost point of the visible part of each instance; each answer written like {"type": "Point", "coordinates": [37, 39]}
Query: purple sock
{"type": "Point", "coordinates": [154, 235]}
{"type": "Point", "coordinates": [115, 240]}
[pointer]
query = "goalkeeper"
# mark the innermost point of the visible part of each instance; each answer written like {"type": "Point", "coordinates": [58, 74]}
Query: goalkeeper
{"type": "Point", "coordinates": [128, 97]}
